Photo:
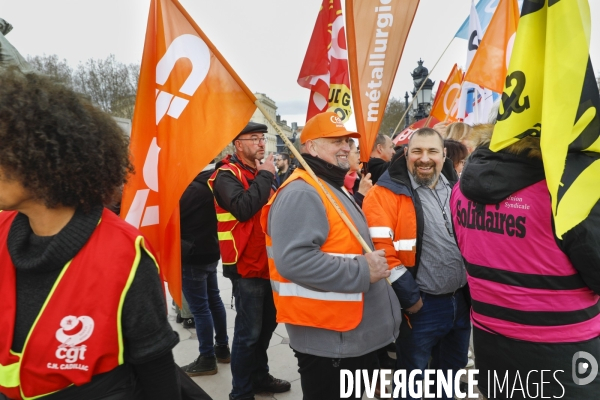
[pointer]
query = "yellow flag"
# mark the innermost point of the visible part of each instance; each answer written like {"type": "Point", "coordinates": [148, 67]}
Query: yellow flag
{"type": "Point", "coordinates": [550, 90]}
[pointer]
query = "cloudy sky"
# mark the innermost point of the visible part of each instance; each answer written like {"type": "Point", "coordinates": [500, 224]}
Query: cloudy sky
{"type": "Point", "coordinates": [264, 40]}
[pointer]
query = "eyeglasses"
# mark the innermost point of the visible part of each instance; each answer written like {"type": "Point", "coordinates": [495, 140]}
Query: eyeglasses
{"type": "Point", "coordinates": [278, 159]}
{"type": "Point", "coordinates": [257, 140]}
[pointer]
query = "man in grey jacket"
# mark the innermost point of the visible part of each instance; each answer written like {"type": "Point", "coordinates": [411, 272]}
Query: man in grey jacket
{"type": "Point", "coordinates": [299, 225]}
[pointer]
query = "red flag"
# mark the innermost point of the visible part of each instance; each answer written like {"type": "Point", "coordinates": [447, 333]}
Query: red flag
{"type": "Point", "coordinates": [404, 136]}
{"type": "Point", "coordinates": [377, 33]}
{"type": "Point", "coordinates": [325, 67]}
{"type": "Point", "coordinates": [490, 62]}
{"type": "Point", "coordinates": [190, 104]}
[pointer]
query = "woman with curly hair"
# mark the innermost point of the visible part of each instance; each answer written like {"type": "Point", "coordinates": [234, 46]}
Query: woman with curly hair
{"type": "Point", "coordinates": [83, 313]}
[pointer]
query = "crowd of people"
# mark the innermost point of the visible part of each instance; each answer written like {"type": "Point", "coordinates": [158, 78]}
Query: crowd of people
{"type": "Point", "coordinates": [437, 239]}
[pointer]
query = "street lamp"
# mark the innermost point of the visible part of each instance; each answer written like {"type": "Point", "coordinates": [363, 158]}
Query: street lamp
{"type": "Point", "coordinates": [406, 108]}
{"type": "Point", "coordinates": [422, 104]}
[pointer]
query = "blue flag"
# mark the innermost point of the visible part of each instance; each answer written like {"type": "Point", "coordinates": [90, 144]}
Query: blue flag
{"type": "Point", "coordinates": [485, 10]}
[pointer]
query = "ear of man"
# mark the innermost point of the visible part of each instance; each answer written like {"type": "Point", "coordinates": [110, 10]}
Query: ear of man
{"type": "Point", "coordinates": [237, 144]}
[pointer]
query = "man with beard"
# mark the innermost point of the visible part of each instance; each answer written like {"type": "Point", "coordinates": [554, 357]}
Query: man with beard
{"type": "Point", "coordinates": [335, 302]}
{"type": "Point", "coordinates": [284, 170]}
{"type": "Point", "coordinates": [242, 186]}
{"type": "Point", "coordinates": [409, 217]}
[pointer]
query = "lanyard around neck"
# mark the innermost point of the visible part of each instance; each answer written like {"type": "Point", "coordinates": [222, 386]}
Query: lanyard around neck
{"type": "Point", "coordinates": [447, 222]}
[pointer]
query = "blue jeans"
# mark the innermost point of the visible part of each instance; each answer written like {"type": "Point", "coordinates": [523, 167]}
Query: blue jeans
{"type": "Point", "coordinates": [201, 291]}
{"type": "Point", "coordinates": [254, 326]}
{"type": "Point", "coordinates": [441, 331]}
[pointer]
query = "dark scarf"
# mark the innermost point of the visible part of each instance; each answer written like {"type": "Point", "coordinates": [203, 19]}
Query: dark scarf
{"type": "Point", "coordinates": [330, 173]}
{"type": "Point", "coordinates": [32, 253]}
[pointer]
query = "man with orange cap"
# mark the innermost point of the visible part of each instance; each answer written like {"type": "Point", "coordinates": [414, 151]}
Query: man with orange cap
{"type": "Point", "coordinates": [335, 302]}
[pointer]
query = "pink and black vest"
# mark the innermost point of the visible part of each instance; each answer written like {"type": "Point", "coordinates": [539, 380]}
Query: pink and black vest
{"type": "Point", "coordinates": [522, 285]}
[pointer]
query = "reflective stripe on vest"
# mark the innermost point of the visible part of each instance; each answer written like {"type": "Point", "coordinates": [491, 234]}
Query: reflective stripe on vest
{"type": "Point", "coordinates": [9, 375]}
{"type": "Point", "coordinates": [53, 358]}
{"type": "Point", "coordinates": [381, 232]}
{"type": "Point", "coordinates": [298, 305]}
{"type": "Point", "coordinates": [225, 235]}
{"type": "Point", "coordinates": [292, 289]}
{"type": "Point", "coordinates": [522, 286]}
{"type": "Point", "coordinates": [405, 244]}
{"type": "Point", "coordinates": [225, 217]}
{"type": "Point", "coordinates": [384, 232]}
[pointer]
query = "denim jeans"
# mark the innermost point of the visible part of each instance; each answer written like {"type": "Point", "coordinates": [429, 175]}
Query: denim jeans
{"type": "Point", "coordinates": [441, 331]}
{"type": "Point", "coordinates": [254, 326]}
{"type": "Point", "coordinates": [201, 291]}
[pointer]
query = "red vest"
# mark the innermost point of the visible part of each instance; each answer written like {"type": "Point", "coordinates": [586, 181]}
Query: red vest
{"type": "Point", "coordinates": [241, 243]}
{"type": "Point", "coordinates": [77, 333]}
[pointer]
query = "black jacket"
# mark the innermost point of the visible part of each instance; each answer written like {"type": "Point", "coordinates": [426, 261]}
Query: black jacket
{"type": "Point", "coordinates": [491, 177]}
{"type": "Point", "coordinates": [376, 166]}
{"type": "Point", "coordinates": [198, 223]}
{"type": "Point", "coordinates": [230, 194]}
{"type": "Point", "coordinates": [397, 180]}
{"type": "Point", "coordinates": [281, 178]}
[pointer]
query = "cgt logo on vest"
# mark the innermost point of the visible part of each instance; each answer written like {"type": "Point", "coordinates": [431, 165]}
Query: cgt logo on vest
{"type": "Point", "coordinates": [474, 216]}
{"type": "Point", "coordinates": [72, 332]}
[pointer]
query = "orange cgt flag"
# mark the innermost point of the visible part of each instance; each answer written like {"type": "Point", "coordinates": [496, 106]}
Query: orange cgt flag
{"type": "Point", "coordinates": [325, 67]}
{"type": "Point", "coordinates": [490, 62]}
{"type": "Point", "coordinates": [446, 98]}
{"type": "Point", "coordinates": [190, 104]}
{"type": "Point", "coordinates": [376, 32]}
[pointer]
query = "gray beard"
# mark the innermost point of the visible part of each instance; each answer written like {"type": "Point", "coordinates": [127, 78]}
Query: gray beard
{"type": "Point", "coordinates": [424, 181]}
{"type": "Point", "coordinates": [344, 166]}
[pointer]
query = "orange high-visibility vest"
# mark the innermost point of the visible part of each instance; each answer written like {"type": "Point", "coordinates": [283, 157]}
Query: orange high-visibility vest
{"type": "Point", "coordinates": [233, 234]}
{"type": "Point", "coordinates": [301, 306]}
{"type": "Point", "coordinates": [392, 223]}
{"type": "Point", "coordinates": [74, 336]}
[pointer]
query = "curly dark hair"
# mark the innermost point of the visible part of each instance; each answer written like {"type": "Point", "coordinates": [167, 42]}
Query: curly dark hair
{"type": "Point", "coordinates": [61, 148]}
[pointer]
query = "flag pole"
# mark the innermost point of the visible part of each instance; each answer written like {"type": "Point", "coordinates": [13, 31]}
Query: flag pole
{"type": "Point", "coordinates": [428, 121]}
{"type": "Point", "coordinates": [424, 80]}
{"type": "Point", "coordinates": [297, 154]}
{"type": "Point", "coordinates": [285, 139]}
